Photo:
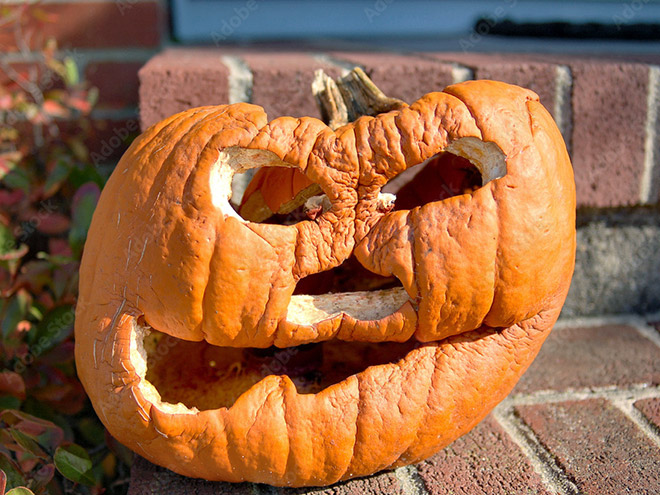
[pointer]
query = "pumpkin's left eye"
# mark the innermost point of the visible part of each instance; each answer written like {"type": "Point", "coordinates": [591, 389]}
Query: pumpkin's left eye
{"type": "Point", "coordinates": [236, 192]}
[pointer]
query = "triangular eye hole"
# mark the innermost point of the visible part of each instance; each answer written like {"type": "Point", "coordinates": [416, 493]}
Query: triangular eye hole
{"type": "Point", "coordinates": [465, 166]}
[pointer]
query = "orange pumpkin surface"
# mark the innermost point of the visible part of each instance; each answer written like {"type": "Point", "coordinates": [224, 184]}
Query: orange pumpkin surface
{"type": "Point", "coordinates": [208, 342]}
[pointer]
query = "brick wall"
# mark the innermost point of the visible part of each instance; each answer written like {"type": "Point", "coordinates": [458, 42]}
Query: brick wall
{"type": "Point", "coordinates": [607, 108]}
{"type": "Point", "coordinates": [109, 41]}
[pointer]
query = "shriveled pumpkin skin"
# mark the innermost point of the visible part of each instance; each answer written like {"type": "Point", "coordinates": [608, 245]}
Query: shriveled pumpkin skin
{"type": "Point", "coordinates": [486, 275]}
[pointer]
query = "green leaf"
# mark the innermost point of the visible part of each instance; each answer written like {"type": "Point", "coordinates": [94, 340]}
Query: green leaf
{"type": "Point", "coordinates": [55, 327]}
{"type": "Point", "coordinates": [83, 174]}
{"type": "Point", "coordinates": [18, 179]}
{"type": "Point", "coordinates": [21, 490]}
{"type": "Point", "coordinates": [56, 178]}
{"type": "Point", "coordinates": [84, 203]}
{"type": "Point", "coordinates": [9, 402]}
{"type": "Point", "coordinates": [74, 463]}
{"type": "Point", "coordinates": [7, 242]}
{"type": "Point", "coordinates": [71, 76]}
{"type": "Point", "coordinates": [13, 312]}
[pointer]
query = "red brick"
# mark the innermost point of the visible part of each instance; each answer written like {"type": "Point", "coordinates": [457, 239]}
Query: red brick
{"type": "Point", "coordinates": [609, 117]}
{"type": "Point", "coordinates": [149, 479]}
{"type": "Point", "coordinates": [282, 82]}
{"type": "Point", "coordinates": [117, 83]}
{"type": "Point", "coordinates": [371, 485]}
{"type": "Point", "coordinates": [592, 357]}
{"type": "Point", "coordinates": [178, 79]}
{"type": "Point", "coordinates": [484, 461]}
{"type": "Point", "coordinates": [596, 445]}
{"type": "Point", "coordinates": [520, 69]}
{"type": "Point", "coordinates": [94, 25]}
{"type": "Point", "coordinates": [406, 77]}
{"type": "Point", "coordinates": [651, 409]}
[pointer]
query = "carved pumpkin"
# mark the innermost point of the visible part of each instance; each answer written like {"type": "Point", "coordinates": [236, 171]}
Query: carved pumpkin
{"type": "Point", "coordinates": [197, 353]}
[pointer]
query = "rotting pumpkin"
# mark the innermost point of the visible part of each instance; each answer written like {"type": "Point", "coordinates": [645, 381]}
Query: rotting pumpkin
{"type": "Point", "coordinates": [198, 355]}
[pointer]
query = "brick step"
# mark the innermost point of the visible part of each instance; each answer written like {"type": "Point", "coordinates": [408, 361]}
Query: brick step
{"type": "Point", "coordinates": [585, 418]}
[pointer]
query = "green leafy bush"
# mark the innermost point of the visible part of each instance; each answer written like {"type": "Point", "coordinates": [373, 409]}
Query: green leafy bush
{"type": "Point", "coordinates": [51, 442]}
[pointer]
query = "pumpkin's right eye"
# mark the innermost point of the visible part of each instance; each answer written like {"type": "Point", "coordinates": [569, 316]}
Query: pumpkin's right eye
{"type": "Point", "coordinates": [465, 166]}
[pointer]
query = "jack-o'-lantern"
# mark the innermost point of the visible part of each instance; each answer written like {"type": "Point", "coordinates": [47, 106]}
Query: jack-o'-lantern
{"type": "Point", "coordinates": [366, 331]}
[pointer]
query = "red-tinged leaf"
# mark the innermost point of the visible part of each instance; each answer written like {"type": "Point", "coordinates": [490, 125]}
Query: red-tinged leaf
{"type": "Point", "coordinates": [3, 481]}
{"type": "Point", "coordinates": [67, 398]}
{"type": "Point", "coordinates": [41, 15]}
{"type": "Point", "coordinates": [47, 434]}
{"type": "Point", "coordinates": [46, 300]}
{"type": "Point", "coordinates": [80, 104]}
{"type": "Point", "coordinates": [28, 462]}
{"type": "Point", "coordinates": [8, 442]}
{"type": "Point", "coordinates": [59, 247]}
{"type": "Point", "coordinates": [42, 476]}
{"type": "Point", "coordinates": [53, 223]}
{"type": "Point", "coordinates": [55, 109]}
{"type": "Point", "coordinates": [14, 418]}
{"type": "Point", "coordinates": [84, 203]}
{"type": "Point", "coordinates": [12, 384]}
{"type": "Point", "coordinates": [28, 443]}
{"type": "Point", "coordinates": [15, 254]}
{"type": "Point", "coordinates": [60, 354]}
{"type": "Point", "coordinates": [34, 275]}
{"type": "Point", "coordinates": [12, 471]}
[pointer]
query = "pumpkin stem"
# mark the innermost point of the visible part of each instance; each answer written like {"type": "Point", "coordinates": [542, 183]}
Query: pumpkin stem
{"type": "Point", "coordinates": [346, 98]}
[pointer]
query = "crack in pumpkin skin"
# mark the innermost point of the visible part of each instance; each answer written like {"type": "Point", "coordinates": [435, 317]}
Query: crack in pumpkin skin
{"type": "Point", "coordinates": [272, 433]}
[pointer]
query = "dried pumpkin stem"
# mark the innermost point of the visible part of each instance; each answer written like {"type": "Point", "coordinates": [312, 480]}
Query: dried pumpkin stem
{"type": "Point", "coordinates": [344, 99]}
{"type": "Point", "coordinates": [341, 101]}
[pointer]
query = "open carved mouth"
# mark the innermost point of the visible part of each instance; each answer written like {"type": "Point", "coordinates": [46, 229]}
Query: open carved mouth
{"type": "Point", "coordinates": [181, 376]}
